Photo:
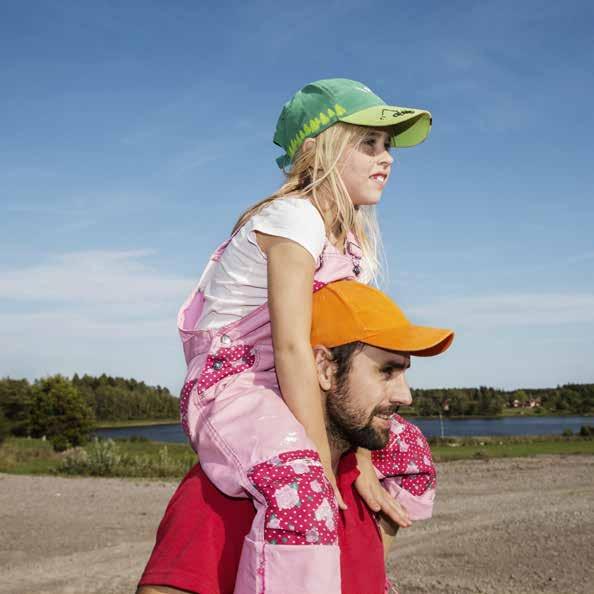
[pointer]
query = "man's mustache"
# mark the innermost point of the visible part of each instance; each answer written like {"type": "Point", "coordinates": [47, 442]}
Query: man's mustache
{"type": "Point", "coordinates": [392, 410]}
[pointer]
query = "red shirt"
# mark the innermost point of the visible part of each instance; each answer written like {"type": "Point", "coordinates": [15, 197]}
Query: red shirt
{"type": "Point", "coordinates": [200, 537]}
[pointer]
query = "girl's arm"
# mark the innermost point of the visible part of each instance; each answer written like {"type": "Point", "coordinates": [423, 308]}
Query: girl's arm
{"type": "Point", "coordinates": [407, 471]}
{"type": "Point", "coordinates": [405, 467]}
{"type": "Point", "coordinates": [290, 284]}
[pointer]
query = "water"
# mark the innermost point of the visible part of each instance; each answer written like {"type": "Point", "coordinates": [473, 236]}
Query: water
{"type": "Point", "coordinates": [431, 428]}
{"type": "Point", "coordinates": [502, 426]}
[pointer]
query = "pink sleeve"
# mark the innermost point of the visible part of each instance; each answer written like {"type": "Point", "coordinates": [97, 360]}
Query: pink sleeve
{"type": "Point", "coordinates": [406, 468]}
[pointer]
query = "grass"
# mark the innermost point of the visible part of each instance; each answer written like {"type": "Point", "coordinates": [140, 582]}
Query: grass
{"type": "Point", "coordinates": [122, 458]}
{"type": "Point", "coordinates": [27, 456]}
{"type": "Point", "coordinates": [138, 457]}
{"type": "Point", "coordinates": [510, 447]}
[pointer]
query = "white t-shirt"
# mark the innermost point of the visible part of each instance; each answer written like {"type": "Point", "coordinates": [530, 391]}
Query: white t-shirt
{"type": "Point", "coordinates": [238, 283]}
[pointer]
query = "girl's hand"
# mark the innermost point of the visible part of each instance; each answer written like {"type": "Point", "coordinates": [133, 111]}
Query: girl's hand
{"type": "Point", "coordinates": [332, 480]}
{"type": "Point", "coordinates": [374, 495]}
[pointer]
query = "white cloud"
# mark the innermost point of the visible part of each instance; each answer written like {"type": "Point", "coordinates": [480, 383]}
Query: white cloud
{"type": "Point", "coordinates": [92, 312]}
{"type": "Point", "coordinates": [112, 312]}
{"type": "Point", "coordinates": [93, 277]}
{"type": "Point", "coordinates": [522, 309]}
{"type": "Point", "coordinates": [52, 327]}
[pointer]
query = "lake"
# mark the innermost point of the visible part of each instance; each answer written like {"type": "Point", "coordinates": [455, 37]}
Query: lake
{"type": "Point", "coordinates": [173, 433]}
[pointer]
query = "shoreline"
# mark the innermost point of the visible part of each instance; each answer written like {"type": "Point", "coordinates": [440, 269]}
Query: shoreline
{"type": "Point", "coordinates": [144, 458]}
{"type": "Point", "coordinates": [155, 422]}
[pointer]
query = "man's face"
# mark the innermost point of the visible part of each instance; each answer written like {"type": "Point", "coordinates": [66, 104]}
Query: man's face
{"type": "Point", "coordinates": [359, 406]}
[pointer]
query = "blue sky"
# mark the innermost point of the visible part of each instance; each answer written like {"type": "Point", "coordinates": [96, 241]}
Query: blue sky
{"type": "Point", "coordinates": [134, 133]}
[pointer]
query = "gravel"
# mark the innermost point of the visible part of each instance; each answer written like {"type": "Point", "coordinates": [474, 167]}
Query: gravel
{"type": "Point", "coordinates": [503, 526]}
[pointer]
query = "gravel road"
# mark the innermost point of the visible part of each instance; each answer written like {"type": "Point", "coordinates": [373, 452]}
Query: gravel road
{"type": "Point", "coordinates": [507, 526]}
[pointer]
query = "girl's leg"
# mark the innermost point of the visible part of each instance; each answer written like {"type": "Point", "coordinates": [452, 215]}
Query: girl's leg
{"type": "Point", "coordinates": [406, 468]}
{"type": "Point", "coordinates": [251, 444]}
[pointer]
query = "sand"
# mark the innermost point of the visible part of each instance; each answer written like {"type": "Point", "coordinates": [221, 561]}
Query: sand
{"type": "Point", "coordinates": [517, 526]}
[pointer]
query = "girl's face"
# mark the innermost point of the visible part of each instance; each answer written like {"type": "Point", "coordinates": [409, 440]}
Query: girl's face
{"type": "Point", "coordinates": [365, 167]}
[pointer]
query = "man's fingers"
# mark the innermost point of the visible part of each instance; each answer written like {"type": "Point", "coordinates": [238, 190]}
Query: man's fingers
{"type": "Point", "coordinates": [394, 510]}
{"type": "Point", "coordinates": [371, 501]}
{"type": "Point", "coordinates": [397, 513]}
{"type": "Point", "coordinates": [367, 493]}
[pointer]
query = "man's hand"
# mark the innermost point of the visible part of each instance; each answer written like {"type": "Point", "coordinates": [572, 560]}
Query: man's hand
{"type": "Point", "coordinates": [374, 495]}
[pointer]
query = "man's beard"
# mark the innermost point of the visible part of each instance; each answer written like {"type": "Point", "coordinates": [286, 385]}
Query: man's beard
{"type": "Point", "coordinates": [353, 427]}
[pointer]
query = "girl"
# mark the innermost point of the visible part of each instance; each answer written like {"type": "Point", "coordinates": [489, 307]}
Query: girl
{"type": "Point", "coordinates": [246, 327]}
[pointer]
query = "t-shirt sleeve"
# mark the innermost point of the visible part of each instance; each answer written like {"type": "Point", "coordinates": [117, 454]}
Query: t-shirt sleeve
{"type": "Point", "coordinates": [296, 219]}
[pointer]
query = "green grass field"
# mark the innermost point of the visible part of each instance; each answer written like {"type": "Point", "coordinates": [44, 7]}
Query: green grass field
{"type": "Point", "coordinates": [510, 448]}
{"type": "Point", "coordinates": [122, 458]}
{"type": "Point", "coordinates": [149, 459]}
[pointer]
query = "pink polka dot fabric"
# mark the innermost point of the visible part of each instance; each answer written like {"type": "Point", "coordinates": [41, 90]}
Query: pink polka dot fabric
{"type": "Point", "coordinates": [407, 458]}
{"type": "Point", "coordinates": [302, 506]}
{"type": "Point", "coordinates": [184, 398]}
{"type": "Point", "coordinates": [301, 509]}
{"type": "Point", "coordinates": [225, 362]}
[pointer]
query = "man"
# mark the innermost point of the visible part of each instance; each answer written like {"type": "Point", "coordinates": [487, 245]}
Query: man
{"type": "Point", "coordinates": [362, 345]}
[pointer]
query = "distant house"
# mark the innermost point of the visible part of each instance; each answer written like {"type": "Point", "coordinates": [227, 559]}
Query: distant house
{"type": "Point", "coordinates": [532, 403]}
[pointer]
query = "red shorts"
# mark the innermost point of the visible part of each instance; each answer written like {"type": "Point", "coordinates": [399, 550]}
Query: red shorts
{"type": "Point", "coordinates": [200, 538]}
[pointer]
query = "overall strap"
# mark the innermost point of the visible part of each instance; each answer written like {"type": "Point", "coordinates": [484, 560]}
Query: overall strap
{"type": "Point", "coordinates": [214, 258]}
{"type": "Point", "coordinates": [191, 310]}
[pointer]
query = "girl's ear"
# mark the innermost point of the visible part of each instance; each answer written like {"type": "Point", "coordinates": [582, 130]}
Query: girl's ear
{"type": "Point", "coordinates": [308, 144]}
{"type": "Point", "coordinates": [324, 366]}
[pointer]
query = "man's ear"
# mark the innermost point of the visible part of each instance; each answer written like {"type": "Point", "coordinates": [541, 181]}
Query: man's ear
{"type": "Point", "coordinates": [324, 366]}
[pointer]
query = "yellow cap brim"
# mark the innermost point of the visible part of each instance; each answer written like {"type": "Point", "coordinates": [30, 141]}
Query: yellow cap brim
{"type": "Point", "coordinates": [409, 126]}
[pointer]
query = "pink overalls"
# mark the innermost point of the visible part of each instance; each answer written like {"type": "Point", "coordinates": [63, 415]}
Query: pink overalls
{"type": "Point", "coordinates": [250, 444]}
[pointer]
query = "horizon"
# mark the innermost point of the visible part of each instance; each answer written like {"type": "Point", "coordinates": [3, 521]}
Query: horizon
{"type": "Point", "coordinates": [135, 136]}
{"type": "Point", "coordinates": [176, 395]}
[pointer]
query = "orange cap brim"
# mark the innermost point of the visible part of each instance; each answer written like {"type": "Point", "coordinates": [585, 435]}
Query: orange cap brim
{"type": "Point", "coordinates": [421, 341]}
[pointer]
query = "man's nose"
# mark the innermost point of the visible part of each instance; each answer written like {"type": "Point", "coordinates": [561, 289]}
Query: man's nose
{"type": "Point", "coordinates": [400, 392]}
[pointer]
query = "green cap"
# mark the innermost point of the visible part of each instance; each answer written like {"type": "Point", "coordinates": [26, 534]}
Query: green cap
{"type": "Point", "coordinates": [321, 104]}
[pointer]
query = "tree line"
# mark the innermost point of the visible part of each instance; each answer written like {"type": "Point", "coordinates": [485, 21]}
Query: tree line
{"type": "Point", "coordinates": [67, 410]}
{"type": "Point", "coordinates": [567, 399]}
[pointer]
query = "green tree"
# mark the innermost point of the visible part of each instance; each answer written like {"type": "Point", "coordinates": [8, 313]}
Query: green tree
{"type": "Point", "coordinates": [15, 403]}
{"type": "Point", "coordinates": [60, 413]}
{"type": "Point", "coordinates": [4, 427]}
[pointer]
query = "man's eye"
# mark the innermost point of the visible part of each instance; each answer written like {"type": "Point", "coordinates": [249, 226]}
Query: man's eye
{"type": "Point", "coordinates": [387, 146]}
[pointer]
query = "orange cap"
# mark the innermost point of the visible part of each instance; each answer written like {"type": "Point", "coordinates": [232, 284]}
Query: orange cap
{"type": "Point", "coordinates": [348, 311]}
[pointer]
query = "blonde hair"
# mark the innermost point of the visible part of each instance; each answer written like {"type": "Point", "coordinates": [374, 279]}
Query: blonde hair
{"type": "Point", "coordinates": [314, 174]}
